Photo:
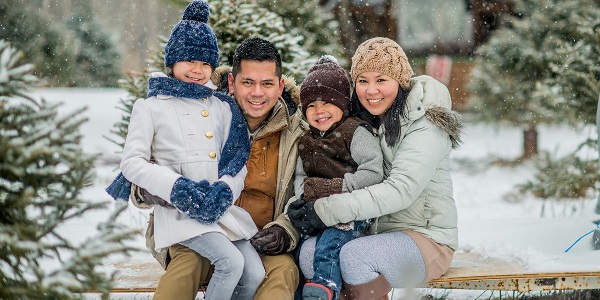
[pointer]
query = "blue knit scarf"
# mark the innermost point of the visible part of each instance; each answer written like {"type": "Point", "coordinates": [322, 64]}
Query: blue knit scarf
{"type": "Point", "coordinates": [237, 147]}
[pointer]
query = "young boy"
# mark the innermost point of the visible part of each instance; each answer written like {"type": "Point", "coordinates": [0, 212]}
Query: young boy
{"type": "Point", "coordinates": [199, 142]}
{"type": "Point", "coordinates": [338, 154]}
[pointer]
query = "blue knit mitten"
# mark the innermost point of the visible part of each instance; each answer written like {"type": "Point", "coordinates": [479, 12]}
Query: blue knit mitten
{"type": "Point", "coordinates": [201, 201]}
{"type": "Point", "coordinates": [120, 188]}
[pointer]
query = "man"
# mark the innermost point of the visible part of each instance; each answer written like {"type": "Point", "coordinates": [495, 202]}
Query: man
{"type": "Point", "coordinates": [257, 84]}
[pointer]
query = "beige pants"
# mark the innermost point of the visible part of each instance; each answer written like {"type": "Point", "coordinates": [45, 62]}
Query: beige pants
{"type": "Point", "coordinates": [187, 271]}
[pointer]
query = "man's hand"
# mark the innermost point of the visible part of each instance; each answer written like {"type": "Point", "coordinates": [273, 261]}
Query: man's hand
{"type": "Point", "coordinates": [304, 217]}
{"type": "Point", "coordinates": [271, 241]}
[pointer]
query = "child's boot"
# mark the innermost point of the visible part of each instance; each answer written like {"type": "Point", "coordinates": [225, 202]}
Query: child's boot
{"type": "Point", "coordinates": [315, 291]}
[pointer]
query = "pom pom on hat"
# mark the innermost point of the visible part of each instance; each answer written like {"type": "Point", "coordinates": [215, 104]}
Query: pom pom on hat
{"type": "Point", "coordinates": [196, 11]}
{"type": "Point", "coordinates": [384, 56]}
{"type": "Point", "coordinates": [326, 59]}
{"type": "Point", "coordinates": [326, 81]}
{"type": "Point", "coordinates": [192, 39]}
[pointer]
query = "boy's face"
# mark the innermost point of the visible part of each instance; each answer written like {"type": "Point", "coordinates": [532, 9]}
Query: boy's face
{"type": "Point", "coordinates": [256, 89]}
{"type": "Point", "coordinates": [194, 71]}
{"type": "Point", "coordinates": [322, 115]}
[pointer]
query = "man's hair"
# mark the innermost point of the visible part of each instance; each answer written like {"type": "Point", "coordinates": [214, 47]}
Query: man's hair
{"type": "Point", "coordinates": [256, 49]}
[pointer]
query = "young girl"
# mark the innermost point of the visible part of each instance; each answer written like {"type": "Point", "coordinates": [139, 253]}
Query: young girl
{"type": "Point", "coordinates": [413, 237]}
{"type": "Point", "coordinates": [199, 142]}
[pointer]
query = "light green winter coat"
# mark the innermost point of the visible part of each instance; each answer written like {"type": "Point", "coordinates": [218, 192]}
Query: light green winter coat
{"type": "Point", "coordinates": [416, 193]}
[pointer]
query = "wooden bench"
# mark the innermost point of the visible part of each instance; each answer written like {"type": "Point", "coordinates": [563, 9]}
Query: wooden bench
{"type": "Point", "coordinates": [473, 272]}
{"type": "Point", "coordinates": [468, 271]}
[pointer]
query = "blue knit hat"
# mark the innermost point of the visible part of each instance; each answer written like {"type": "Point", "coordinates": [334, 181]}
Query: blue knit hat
{"type": "Point", "coordinates": [192, 39]}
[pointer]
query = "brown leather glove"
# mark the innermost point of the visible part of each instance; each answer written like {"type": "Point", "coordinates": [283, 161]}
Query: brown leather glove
{"type": "Point", "coordinates": [271, 241]}
{"type": "Point", "coordinates": [315, 188]}
{"type": "Point", "coordinates": [143, 199]}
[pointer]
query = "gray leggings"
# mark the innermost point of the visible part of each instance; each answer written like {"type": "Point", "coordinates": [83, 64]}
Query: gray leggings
{"type": "Point", "coordinates": [394, 255]}
{"type": "Point", "coordinates": [238, 268]}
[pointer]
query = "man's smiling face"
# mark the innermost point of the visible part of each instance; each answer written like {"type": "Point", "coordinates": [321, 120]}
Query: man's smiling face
{"type": "Point", "coordinates": [256, 89]}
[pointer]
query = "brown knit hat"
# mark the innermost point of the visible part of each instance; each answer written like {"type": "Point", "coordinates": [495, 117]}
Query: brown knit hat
{"type": "Point", "coordinates": [382, 55]}
{"type": "Point", "coordinates": [326, 81]}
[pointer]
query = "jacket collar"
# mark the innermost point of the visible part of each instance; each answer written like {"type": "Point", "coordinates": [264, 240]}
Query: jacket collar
{"type": "Point", "coordinates": [276, 121]}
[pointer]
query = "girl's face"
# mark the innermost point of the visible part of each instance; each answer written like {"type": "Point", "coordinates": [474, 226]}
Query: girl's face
{"type": "Point", "coordinates": [322, 115]}
{"type": "Point", "coordinates": [376, 92]}
{"type": "Point", "coordinates": [194, 71]}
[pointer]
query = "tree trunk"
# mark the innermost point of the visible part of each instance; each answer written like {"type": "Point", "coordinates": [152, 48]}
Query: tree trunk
{"type": "Point", "coordinates": [361, 22]}
{"type": "Point", "coordinates": [530, 142]}
{"type": "Point", "coordinates": [348, 30]}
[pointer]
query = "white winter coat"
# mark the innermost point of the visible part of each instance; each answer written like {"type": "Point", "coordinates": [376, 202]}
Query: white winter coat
{"type": "Point", "coordinates": [185, 137]}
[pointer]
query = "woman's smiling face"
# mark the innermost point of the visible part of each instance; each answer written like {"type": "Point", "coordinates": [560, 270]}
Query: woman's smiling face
{"type": "Point", "coordinates": [376, 92]}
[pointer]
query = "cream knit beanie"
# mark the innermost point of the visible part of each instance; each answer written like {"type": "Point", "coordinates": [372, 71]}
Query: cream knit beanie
{"type": "Point", "coordinates": [382, 55]}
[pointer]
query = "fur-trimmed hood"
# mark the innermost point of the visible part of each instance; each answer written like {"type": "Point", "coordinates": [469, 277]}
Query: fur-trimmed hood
{"type": "Point", "coordinates": [449, 121]}
{"type": "Point", "coordinates": [291, 92]}
{"type": "Point", "coordinates": [435, 99]}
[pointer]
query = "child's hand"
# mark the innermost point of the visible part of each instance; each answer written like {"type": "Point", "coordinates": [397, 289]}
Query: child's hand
{"type": "Point", "coordinates": [315, 188]}
{"type": "Point", "coordinates": [201, 201]}
{"type": "Point", "coordinates": [304, 217]}
{"type": "Point", "coordinates": [119, 188]}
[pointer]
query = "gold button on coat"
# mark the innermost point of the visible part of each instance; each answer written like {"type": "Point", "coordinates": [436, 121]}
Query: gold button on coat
{"type": "Point", "coordinates": [204, 99]}
{"type": "Point", "coordinates": [205, 113]}
{"type": "Point", "coordinates": [209, 134]}
{"type": "Point", "coordinates": [212, 155]}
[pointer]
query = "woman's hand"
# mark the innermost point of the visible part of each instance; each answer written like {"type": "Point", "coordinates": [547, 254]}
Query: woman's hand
{"type": "Point", "coordinates": [304, 217]}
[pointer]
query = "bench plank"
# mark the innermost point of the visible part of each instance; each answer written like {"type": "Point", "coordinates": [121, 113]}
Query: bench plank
{"type": "Point", "coordinates": [468, 271]}
{"type": "Point", "coordinates": [474, 272]}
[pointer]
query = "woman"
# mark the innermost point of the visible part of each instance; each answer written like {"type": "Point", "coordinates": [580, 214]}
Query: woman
{"type": "Point", "coordinates": [414, 231]}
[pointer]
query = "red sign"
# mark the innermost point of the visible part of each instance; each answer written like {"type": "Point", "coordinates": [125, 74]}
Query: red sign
{"type": "Point", "coordinates": [439, 67]}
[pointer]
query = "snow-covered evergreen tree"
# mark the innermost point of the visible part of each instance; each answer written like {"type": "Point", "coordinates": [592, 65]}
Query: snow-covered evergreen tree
{"type": "Point", "coordinates": [568, 177]}
{"type": "Point", "coordinates": [42, 173]}
{"type": "Point", "coordinates": [71, 52]}
{"type": "Point", "coordinates": [574, 61]}
{"type": "Point", "coordinates": [543, 68]}
{"type": "Point", "coordinates": [41, 40]}
{"type": "Point", "coordinates": [97, 59]}
{"type": "Point", "coordinates": [309, 19]}
{"type": "Point", "coordinates": [235, 21]}
{"type": "Point", "coordinates": [136, 84]}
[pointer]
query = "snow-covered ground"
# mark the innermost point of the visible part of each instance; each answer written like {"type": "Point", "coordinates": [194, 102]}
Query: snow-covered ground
{"type": "Point", "coordinates": [488, 224]}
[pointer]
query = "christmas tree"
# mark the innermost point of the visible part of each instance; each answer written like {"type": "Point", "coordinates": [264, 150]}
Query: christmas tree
{"type": "Point", "coordinates": [41, 40]}
{"type": "Point", "coordinates": [542, 68]}
{"type": "Point", "coordinates": [96, 58]}
{"type": "Point", "coordinates": [42, 174]}
{"type": "Point", "coordinates": [73, 52]}
{"type": "Point", "coordinates": [235, 21]}
{"type": "Point", "coordinates": [316, 24]}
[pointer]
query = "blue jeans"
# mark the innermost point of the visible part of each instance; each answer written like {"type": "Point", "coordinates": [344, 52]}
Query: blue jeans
{"type": "Point", "coordinates": [327, 255]}
{"type": "Point", "coordinates": [238, 268]}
